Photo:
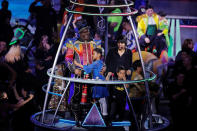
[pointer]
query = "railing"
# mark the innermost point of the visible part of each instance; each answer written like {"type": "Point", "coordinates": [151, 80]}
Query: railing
{"type": "Point", "coordinates": [175, 34]}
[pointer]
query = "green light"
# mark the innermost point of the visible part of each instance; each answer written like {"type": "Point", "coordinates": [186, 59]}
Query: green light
{"type": "Point", "coordinates": [96, 5]}
{"type": "Point", "coordinates": [21, 31]}
{"type": "Point", "coordinates": [96, 14]}
{"type": "Point", "coordinates": [13, 42]}
{"type": "Point", "coordinates": [15, 35]}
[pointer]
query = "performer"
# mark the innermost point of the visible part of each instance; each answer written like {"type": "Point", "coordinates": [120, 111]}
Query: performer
{"type": "Point", "coordinates": [81, 51]}
{"type": "Point", "coordinates": [153, 63]}
{"type": "Point", "coordinates": [118, 95]}
{"type": "Point", "coordinates": [148, 30]}
{"type": "Point", "coordinates": [98, 92]}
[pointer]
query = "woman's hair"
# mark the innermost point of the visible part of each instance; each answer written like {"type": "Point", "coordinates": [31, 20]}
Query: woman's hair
{"type": "Point", "coordinates": [41, 44]}
{"type": "Point", "coordinates": [14, 54]}
{"type": "Point", "coordinates": [186, 43]}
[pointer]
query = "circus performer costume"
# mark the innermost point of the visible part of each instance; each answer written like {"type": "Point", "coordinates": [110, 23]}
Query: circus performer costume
{"type": "Point", "coordinates": [81, 51]}
{"type": "Point", "coordinates": [149, 33]}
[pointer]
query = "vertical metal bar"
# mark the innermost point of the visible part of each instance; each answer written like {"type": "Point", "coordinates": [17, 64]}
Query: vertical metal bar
{"type": "Point", "coordinates": [143, 68]}
{"type": "Point", "coordinates": [131, 107]}
{"type": "Point", "coordinates": [53, 68]}
{"type": "Point", "coordinates": [106, 37]}
{"type": "Point", "coordinates": [178, 37]}
{"type": "Point", "coordinates": [60, 101]}
{"type": "Point", "coordinates": [171, 48]}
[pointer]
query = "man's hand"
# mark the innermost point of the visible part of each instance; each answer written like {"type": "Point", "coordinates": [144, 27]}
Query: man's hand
{"type": "Point", "coordinates": [147, 40]}
{"type": "Point", "coordinates": [48, 58]}
{"type": "Point", "coordinates": [159, 34]}
{"type": "Point", "coordinates": [76, 63]}
{"type": "Point", "coordinates": [31, 96]}
{"type": "Point", "coordinates": [124, 78]}
{"type": "Point", "coordinates": [128, 72]}
{"type": "Point", "coordinates": [109, 74]}
{"type": "Point", "coordinates": [78, 72]}
{"type": "Point", "coordinates": [103, 70]}
{"type": "Point", "coordinates": [39, 67]}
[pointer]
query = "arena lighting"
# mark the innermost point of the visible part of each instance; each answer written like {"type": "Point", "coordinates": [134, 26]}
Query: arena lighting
{"type": "Point", "coordinates": [20, 37]}
{"type": "Point", "coordinates": [188, 26]}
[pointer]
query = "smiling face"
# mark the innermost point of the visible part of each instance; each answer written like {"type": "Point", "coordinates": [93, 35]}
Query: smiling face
{"type": "Point", "coordinates": [121, 74]}
{"type": "Point", "coordinates": [121, 46]}
{"type": "Point", "coordinates": [85, 34]}
{"type": "Point", "coordinates": [149, 12]}
{"type": "Point", "coordinates": [44, 42]}
{"type": "Point", "coordinates": [2, 46]}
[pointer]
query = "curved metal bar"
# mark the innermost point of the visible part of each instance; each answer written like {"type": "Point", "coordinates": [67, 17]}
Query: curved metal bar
{"type": "Point", "coordinates": [53, 67]}
{"type": "Point", "coordinates": [104, 6]}
{"type": "Point", "coordinates": [93, 81]}
{"type": "Point", "coordinates": [52, 93]}
{"type": "Point", "coordinates": [143, 67]}
{"type": "Point", "coordinates": [97, 14]}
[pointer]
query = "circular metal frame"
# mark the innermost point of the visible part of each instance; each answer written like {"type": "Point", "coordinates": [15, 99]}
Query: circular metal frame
{"type": "Point", "coordinates": [103, 82]}
{"type": "Point", "coordinates": [105, 6]}
{"type": "Point", "coordinates": [98, 14]}
{"type": "Point", "coordinates": [160, 126]}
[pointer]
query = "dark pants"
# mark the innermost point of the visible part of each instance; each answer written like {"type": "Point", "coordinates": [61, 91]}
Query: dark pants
{"type": "Point", "coordinates": [118, 102]}
{"type": "Point", "coordinates": [158, 42]}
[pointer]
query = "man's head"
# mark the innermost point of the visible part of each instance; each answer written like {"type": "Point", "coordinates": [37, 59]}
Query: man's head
{"type": "Point", "coordinates": [97, 53]}
{"type": "Point", "coordinates": [121, 72]}
{"type": "Point", "coordinates": [149, 10]}
{"type": "Point", "coordinates": [162, 15]}
{"type": "Point", "coordinates": [126, 25]}
{"type": "Point", "coordinates": [83, 30]}
{"type": "Point", "coordinates": [46, 3]}
{"type": "Point", "coordinates": [3, 46]}
{"type": "Point", "coordinates": [137, 65]}
{"type": "Point", "coordinates": [85, 34]}
{"type": "Point", "coordinates": [4, 4]}
{"type": "Point", "coordinates": [121, 43]}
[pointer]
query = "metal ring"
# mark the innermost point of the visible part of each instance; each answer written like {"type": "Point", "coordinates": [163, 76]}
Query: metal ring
{"type": "Point", "coordinates": [103, 82]}
{"type": "Point", "coordinates": [105, 6]}
{"type": "Point", "coordinates": [98, 14]}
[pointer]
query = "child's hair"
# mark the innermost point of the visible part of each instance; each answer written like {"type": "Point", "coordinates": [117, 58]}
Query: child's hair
{"type": "Point", "coordinates": [122, 39]}
{"type": "Point", "coordinates": [149, 7]}
{"type": "Point", "coordinates": [136, 64]}
{"type": "Point", "coordinates": [98, 50]}
{"type": "Point", "coordinates": [162, 14]}
{"type": "Point", "coordinates": [119, 68]}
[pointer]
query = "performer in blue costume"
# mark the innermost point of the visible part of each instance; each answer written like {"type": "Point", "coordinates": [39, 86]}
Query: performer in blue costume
{"type": "Point", "coordinates": [98, 92]}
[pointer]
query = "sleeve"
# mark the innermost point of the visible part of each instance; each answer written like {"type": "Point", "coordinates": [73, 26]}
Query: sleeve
{"type": "Point", "coordinates": [62, 31]}
{"type": "Point", "coordinates": [88, 68]}
{"type": "Point", "coordinates": [165, 31]}
{"type": "Point", "coordinates": [140, 28]}
{"type": "Point", "coordinates": [77, 32]}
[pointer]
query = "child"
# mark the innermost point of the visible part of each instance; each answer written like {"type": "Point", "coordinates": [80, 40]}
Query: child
{"type": "Point", "coordinates": [118, 96]}
{"type": "Point", "coordinates": [138, 89]}
{"type": "Point", "coordinates": [98, 92]}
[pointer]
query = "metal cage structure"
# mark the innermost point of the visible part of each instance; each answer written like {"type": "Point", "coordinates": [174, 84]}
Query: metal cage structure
{"type": "Point", "coordinates": [39, 119]}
